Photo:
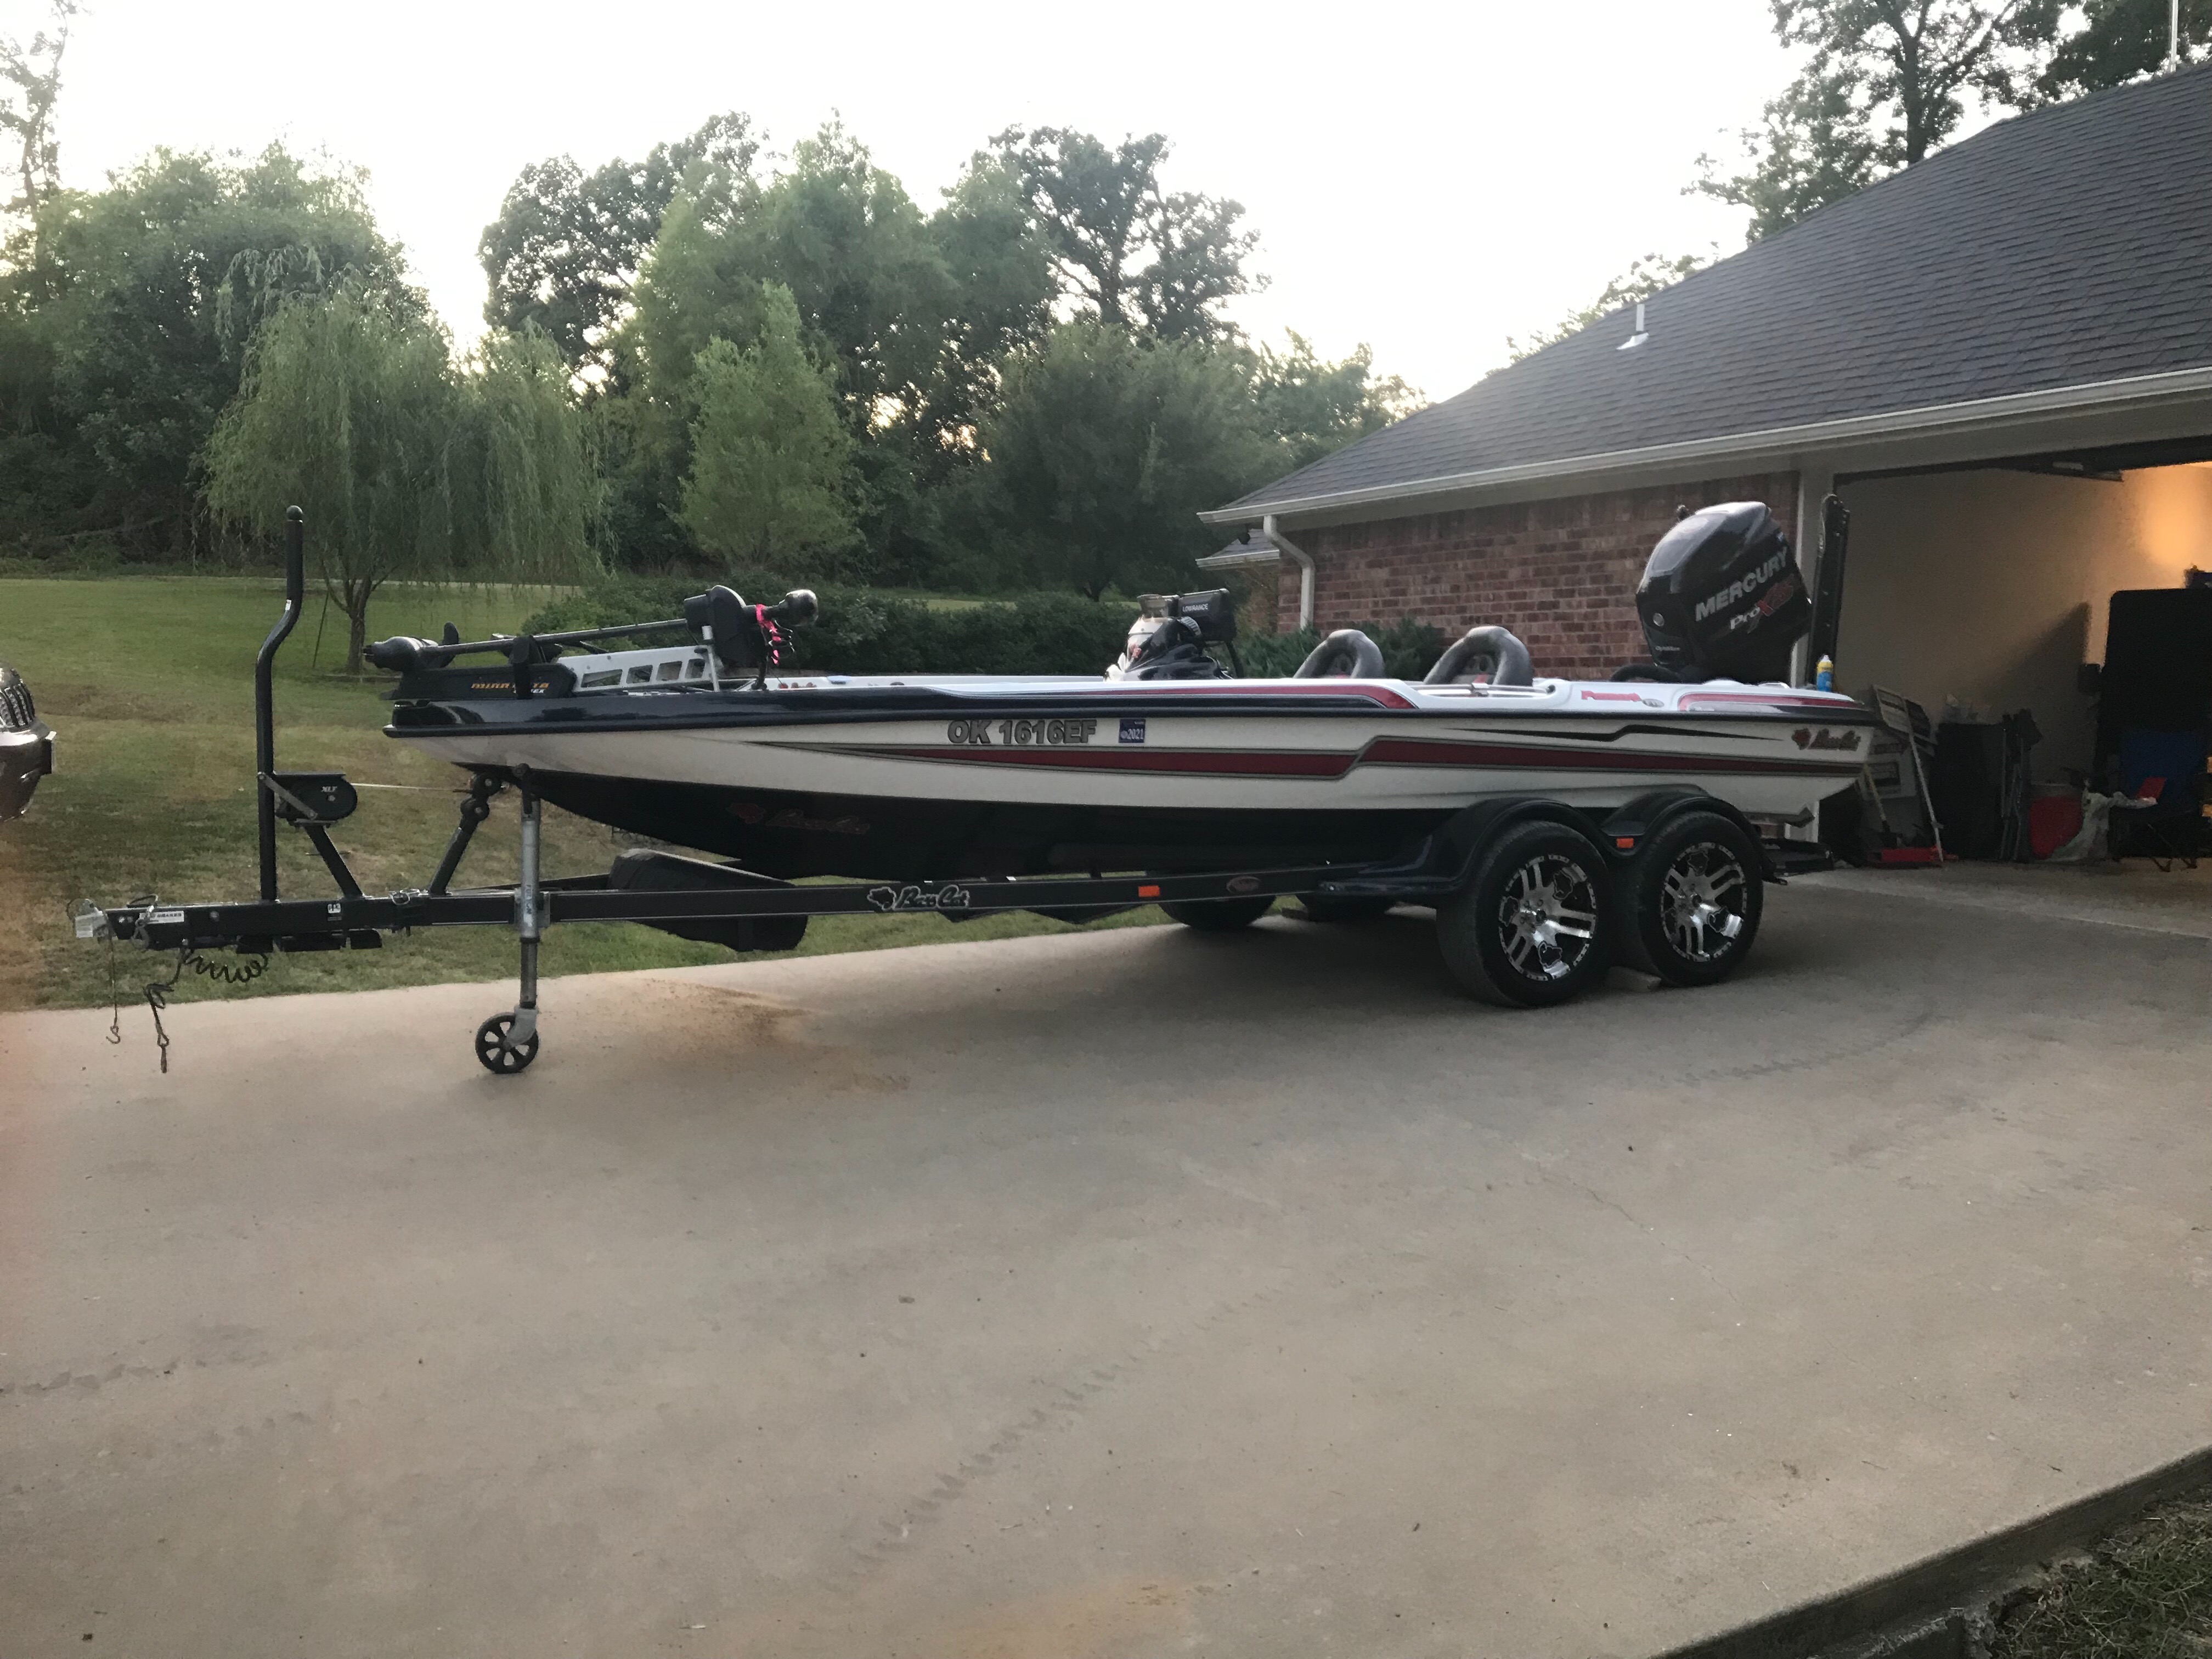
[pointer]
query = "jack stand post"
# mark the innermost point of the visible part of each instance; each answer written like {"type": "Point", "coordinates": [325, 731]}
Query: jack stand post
{"type": "Point", "coordinates": [505, 1043]}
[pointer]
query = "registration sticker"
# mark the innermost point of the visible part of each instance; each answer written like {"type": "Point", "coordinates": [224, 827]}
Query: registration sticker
{"type": "Point", "coordinates": [1132, 731]}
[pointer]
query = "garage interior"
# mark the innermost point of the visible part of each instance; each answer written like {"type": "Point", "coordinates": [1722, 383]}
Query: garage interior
{"type": "Point", "coordinates": [1978, 591]}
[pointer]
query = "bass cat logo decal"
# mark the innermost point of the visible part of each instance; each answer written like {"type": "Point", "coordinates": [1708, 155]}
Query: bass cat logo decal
{"type": "Point", "coordinates": [754, 815]}
{"type": "Point", "coordinates": [952, 897]}
{"type": "Point", "coordinates": [1805, 737]}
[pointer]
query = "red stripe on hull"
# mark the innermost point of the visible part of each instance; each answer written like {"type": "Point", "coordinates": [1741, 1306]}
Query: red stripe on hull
{"type": "Point", "coordinates": [1312, 763]}
{"type": "Point", "coordinates": [1416, 752]}
{"type": "Point", "coordinates": [1230, 763]}
{"type": "Point", "coordinates": [1319, 687]}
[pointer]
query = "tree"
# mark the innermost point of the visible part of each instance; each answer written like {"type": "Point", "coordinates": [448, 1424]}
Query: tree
{"type": "Point", "coordinates": [2119, 41]}
{"type": "Point", "coordinates": [526, 493]}
{"type": "Point", "coordinates": [565, 250]}
{"type": "Point", "coordinates": [129, 327]}
{"type": "Point", "coordinates": [351, 407]}
{"type": "Point", "coordinates": [32, 75]}
{"type": "Point", "coordinates": [878, 302]}
{"type": "Point", "coordinates": [871, 289]}
{"type": "Point", "coordinates": [1001, 291]}
{"type": "Point", "coordinates": [1310, 406]}
{"type": "Point", "coordinates": [1885, 82]}
{"type": "Point", "coordinates": [1106, 448]}
{"type": "Point", "coordinates": [770, 459]}
{"type": "Point", "coordinates": [1644, 277]}
{"type": "Point", "coordinates": [1137, 255]}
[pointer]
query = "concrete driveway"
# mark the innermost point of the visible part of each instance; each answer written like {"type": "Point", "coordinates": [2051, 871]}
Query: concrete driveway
{"type": "Point", "coordinates": [1141, 1293]}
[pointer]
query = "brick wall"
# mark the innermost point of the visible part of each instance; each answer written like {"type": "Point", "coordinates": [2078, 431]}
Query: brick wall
{"type": "Point", "coordinates": [1560, 573]}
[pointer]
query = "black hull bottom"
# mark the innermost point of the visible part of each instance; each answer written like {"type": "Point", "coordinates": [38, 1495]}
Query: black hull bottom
{"type": "Point", "coordinates": [790, 836]}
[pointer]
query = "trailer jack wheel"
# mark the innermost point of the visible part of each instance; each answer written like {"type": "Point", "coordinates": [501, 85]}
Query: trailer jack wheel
{"type": "Point", "coordinates": [503, 1049]}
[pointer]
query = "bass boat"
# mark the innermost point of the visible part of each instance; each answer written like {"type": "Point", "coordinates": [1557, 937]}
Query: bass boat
{"type": "Point", "coordinates": [1169, 761]}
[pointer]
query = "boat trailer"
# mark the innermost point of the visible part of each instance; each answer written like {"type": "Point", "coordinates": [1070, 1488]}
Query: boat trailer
{"type": "Point", "coordinates": [731, 906]}
{"type": "Point", "coordinates": [694, 898]}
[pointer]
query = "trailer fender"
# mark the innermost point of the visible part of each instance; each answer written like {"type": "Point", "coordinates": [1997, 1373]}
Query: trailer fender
{"type": "Point", "coordinates": [1628, 827]}
{"type": "Point", "coordinates": [1461, 843]}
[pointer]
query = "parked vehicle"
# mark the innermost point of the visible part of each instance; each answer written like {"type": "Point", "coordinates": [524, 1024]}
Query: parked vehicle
{"type": "Point", "coordinates": [26, 745]}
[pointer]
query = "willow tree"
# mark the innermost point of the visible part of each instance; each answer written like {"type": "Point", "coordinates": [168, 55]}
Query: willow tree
{"type": "Point", "coordinates": [408, 466]}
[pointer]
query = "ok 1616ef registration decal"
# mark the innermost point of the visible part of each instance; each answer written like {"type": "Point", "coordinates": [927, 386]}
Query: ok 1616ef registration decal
{"type": "Point", "coordinates": [1052, 733]}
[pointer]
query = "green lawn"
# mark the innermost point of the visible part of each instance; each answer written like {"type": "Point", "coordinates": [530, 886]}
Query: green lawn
{"type": "Point", "coordinates": [148, 683]}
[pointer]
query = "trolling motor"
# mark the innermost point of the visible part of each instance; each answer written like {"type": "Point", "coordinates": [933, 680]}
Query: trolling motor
{"type": "Point", "coordinates": [747, 640]}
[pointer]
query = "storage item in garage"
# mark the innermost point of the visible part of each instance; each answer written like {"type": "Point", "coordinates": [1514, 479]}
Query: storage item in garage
{"type": "Point", "coordinates": [2054, 817]}
{"type": "Point", "coordinates": [1891, 811]}
{"type": "Point", "coordinates": [1979, 782]}
{"type": "Point", "coordinates": [2158, 669]}
{"type": "Point", "coordinates": [2154, 715]}
{"type": "Point", "coordinates": [2164, 771]}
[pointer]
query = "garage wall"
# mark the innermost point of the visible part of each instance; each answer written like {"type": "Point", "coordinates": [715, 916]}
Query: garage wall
{"type": "Point", "coordinates": [1992, 586]}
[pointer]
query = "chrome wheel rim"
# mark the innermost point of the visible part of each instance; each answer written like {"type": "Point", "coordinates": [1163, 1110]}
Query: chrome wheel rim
{"type": "Point", "coordinates": [1547, 920]}
{"type": "Point", "coordinates": [1702, 900]}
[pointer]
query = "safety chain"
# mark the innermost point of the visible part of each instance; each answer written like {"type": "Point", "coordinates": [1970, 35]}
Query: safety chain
{"type": "Point", "coordinates": [244, 972]}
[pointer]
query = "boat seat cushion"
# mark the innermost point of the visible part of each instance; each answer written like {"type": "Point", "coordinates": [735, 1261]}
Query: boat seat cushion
{"type": "Point", "coordinates": [1487, 655]}
{"type": "Point", "coordinates": [1346, 654]}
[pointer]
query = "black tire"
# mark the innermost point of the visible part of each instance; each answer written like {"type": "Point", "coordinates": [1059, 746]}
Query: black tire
{"type": "Point", "coordinates": [1531, 928]}
{"type": "Point", "coordinates": [493, 1050]}
{"type": "Point", "coordinates": [1341, 909]}
{"type": "Point", "coordinates": [1219, 916]}
{"type": "Point", "coordinates": [1688, 905]}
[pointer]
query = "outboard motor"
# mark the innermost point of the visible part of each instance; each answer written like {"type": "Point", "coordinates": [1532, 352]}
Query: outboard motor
{"type": "Point", "coordinates": [1721, 599]}
{"type": "Point", "coordinates": [1168, 639]}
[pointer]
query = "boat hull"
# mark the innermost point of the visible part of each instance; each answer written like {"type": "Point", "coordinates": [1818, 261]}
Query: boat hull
{"type": "Point", "coordinates": [980, 778]}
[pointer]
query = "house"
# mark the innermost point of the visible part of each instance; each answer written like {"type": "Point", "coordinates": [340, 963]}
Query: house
{"type": "Point", "coordinates": [2001, 360]}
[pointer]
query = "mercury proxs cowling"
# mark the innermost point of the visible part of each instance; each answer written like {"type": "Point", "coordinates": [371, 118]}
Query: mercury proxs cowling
{"type": "Point", "coordinates": [1721, 599]}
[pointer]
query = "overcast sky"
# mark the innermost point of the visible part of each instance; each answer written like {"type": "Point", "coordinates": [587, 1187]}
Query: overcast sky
{"type": "Point", "coordinates": [1426, 178]}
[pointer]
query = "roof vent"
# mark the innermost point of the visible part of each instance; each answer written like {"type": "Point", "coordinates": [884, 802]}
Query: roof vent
{"type": "Point", "coordinates": [1639, 336]}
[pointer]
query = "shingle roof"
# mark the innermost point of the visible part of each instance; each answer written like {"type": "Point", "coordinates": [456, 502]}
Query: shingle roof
{"type": "Point", "coordinates": [2065, 247]}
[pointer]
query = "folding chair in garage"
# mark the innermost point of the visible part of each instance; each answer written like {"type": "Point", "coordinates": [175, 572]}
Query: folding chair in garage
{"type": "Point", "coordinates": [2163, 772]}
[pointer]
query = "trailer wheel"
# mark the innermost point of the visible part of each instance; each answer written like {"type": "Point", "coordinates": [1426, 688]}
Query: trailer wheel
{"type": "Point", "coordinates": [1530, 929]}
{"type": "Point", "coordinates": [1338, 908]}
{"type": "Point", "coordinates": [1219, 916]}
{"type": "Point", "coordinates": [1689, 901]}
{"type": "Point", "coordinates": [501, 1058]}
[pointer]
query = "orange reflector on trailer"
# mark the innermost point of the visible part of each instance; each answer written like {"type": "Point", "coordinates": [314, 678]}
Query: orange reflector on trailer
{"type": "Point", "coordinates": [1624, 841]}
{"type": "Point", "coordinates": [1148, 892]}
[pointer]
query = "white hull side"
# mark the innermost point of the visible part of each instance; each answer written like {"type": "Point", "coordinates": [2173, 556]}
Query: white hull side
{"type": "Point", "coordinates": [1438, 754]}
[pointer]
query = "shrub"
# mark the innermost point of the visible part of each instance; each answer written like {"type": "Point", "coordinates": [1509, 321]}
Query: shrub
{"type": "Point", "coordinates": [1410, 649]}
{"type": "Point", "coordinates": [863, 631]}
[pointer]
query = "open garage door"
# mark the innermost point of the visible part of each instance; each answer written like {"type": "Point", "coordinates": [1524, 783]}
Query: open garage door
{"type": "Point", "coordinates": [1978, 591]}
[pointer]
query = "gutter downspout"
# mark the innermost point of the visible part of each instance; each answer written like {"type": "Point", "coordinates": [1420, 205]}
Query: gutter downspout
{"type": "Point", "coordinates": [1291, 551]}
